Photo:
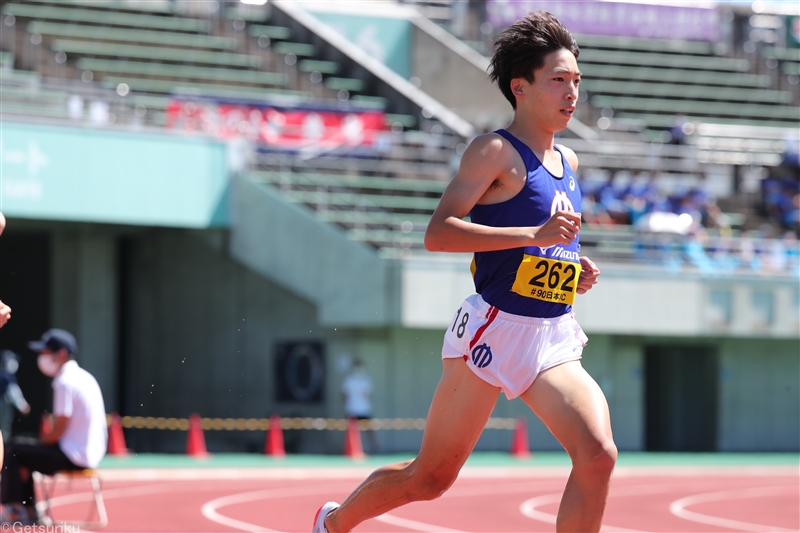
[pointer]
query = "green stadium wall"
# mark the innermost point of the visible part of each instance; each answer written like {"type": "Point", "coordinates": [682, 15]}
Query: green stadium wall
{"type": "Point", "coordinates": [176, 320]}
{"type": "Point", "coordinates": [107, 176]}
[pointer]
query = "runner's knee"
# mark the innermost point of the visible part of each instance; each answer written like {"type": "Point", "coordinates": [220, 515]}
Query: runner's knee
{"type": "Point", "coordinates": [597, 458]}
{"type": "Point", "coordinates": [431, 485]}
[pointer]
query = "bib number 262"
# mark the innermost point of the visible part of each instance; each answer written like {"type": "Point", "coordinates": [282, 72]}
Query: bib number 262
{"type": "Point", "coordinates": [547, 279]}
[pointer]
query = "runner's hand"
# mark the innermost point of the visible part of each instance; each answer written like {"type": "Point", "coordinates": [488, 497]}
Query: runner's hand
{"type": "Point", "coordinates": [561, 228]}
{"type": "Point", "coordinates": [5, 314]}
{"type": "Point", "coordinates": [589, 275]}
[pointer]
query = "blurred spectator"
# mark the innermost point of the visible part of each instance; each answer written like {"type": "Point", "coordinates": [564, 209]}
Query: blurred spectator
{"type": "Point", "coordinates": [357, 389]}
{"type": "Point", "coordinates": [695, 250]}
{"type": "Point", "coordinates": [79, 435]}
{"type": "Point", "coordinates": [610, 199]}
{"type": "Point", "coordinates": [677, 133]}
{"type": "Point", "coordinates": [609, 204]}
{"type": "Point", "coordinates": [780, 196]}
{"type": "Point", "coordinates": [11, 396]}
{"type": "Point", "coordinates": [592, 213]}
{"type": "Point", "coordinates": [791, 152]}
{"type": "Point", "coordinates": [75, 107]}
{"type": "Point", "coordinates": [98, 112]}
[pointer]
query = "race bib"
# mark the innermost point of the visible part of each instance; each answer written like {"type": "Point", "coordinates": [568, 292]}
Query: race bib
{"type": "Point", "coordinates": [545, 279]}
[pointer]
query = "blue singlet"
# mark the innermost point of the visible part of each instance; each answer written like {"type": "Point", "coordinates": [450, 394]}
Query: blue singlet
{"type": "Point", "coordinates": [530, 281]}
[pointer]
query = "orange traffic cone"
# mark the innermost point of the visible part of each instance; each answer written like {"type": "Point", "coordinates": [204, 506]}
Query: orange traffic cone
{"type": "Point", "coordinates": [116, 438]}
{"type": "Point", "coordinates": [519, 442]}
{"type": "Point", "coordinates": [352, 440]}
{"type": "Point", "coordinates": [196, 442]}
{"type": "Point", "coordinates": [274, 444]}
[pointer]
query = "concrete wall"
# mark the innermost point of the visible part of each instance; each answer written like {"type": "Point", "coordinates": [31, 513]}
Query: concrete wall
{"type": "Point", "coordinates": [758, 404]}
{"type": "Point", "coordinates": [84, 301]}
{"type": "Point", "coordinates": [200, 337]}
{"type": "Point", "coordinates": [445, 66]}
{"type": "Point", "coordinates": [759, 395]}
{"type": "Point", "coordinates": [629, 300]}
{"type": "Point", "coordinates": [346, 280]}
{"type": "Point", "coordinates": [200, 332]}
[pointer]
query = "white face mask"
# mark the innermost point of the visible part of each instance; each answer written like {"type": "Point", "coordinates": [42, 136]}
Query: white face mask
{"type": "Point", "coordinates": [47, 365]}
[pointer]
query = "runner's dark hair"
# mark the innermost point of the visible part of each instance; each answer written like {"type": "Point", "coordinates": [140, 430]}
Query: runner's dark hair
{"type": "Point", "coordinates": [521, 49]}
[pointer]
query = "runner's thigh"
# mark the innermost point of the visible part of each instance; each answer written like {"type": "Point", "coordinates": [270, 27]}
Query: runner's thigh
{"type": "Point", "coordinates": [460, 408]}
{"type": "Point", "coordinates": [572, 406]}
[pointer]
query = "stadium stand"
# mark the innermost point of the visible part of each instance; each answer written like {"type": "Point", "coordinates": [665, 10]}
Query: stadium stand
{"type": "Point", "coordinates": [693, 81]}
{"type": "Point", "coordinates": [695, 225]}
{"type": "Point", "coordinates": [137, 57]}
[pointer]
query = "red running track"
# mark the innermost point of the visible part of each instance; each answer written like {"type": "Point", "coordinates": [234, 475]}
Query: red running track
{"type": "Point", "coordinates": [482, 500]}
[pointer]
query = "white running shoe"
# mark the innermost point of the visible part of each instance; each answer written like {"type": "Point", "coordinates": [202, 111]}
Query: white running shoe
{"type": "Point", "coordinates": [319, 518]}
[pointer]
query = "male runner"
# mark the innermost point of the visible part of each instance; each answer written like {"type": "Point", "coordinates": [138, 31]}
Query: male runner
{"type": "Point", "coordinates": [518, 333]}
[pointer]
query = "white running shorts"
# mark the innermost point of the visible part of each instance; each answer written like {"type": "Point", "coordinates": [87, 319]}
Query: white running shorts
{"type": "Point", "coordinates": [509, 351]}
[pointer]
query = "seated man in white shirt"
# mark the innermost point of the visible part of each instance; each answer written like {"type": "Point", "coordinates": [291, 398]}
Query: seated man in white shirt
{"type": "Point", "coordinates": [79, 436]}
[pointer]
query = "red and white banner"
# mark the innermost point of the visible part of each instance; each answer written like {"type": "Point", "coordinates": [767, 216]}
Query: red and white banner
{"type": "Point", "coordinates": [290, 129]}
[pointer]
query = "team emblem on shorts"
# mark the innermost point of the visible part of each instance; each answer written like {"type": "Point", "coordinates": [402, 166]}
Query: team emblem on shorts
{"type": "Point", "coordinates": [482, 356]}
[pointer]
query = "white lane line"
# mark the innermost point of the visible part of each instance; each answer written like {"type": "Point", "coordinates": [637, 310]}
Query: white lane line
{"type": "Point", "coordinates": [530, 507]}
{"type": "Point", "coordinates": [414, 525]}
{"type": "Point", "coordinates": [678, 507]}
{"type": "Point", "coordinates": [210, 508]}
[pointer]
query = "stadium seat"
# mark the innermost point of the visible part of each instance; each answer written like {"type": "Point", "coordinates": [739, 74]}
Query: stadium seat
{"type": "Point", "coordinates": [298, 49]}
{"type": "Point", "coordinates": [273, 32]}
{"type": "Point", "coordinates": [407, 121]}
{"type": "Point", "coordinates": [154, 6]}
{"type": "Point", "coordinates": [131, 36]}
{"type": "Point", "coordinates": [6, 60]}
{"type": "Point", "coordinates": [210, 89]}
{"type": "Point", "coordinates": [185, 72]}
{"type": "Point", "coordinates": [109, 18]}
{"type": "Point", "coordinates": [245, 13]}
{"type": "Point", "coordinates": [33, 110]}
{"type": "Point", "coordinates": [654, 59]}
{"type": "Point", "coordinates": [696, 108]}
{"type": "Point", "coordinates": [348, 84]}
{"type": "Point", "coordinates": [661, 122]}
{"type": "Point", "coordinates": [698, 92]}
{"type": "Point", "coordinates": [378, 102]}
{"type": "Point", "coordinates": [648, 45]}
{"type": "Point", "coordinates": [643, 73]}
{"type": "Point", "coordinates": [24, 93]}
{"type": "Point", "coordinates": [155, 53]}
{"type": "Point", "coordinates": [47, 485]}
{"type": "Point", "coordinates": [315, 65]}
{"type": "Point", "coordinates": [364, 200]}
{"type": "Point", "coordinates": [20, 77]}
{"type": "Point", "coordinates": [783, 54]}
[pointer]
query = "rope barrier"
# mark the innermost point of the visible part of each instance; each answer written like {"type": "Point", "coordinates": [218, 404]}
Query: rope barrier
{"type": "Point", "coordinates": [263, 424]}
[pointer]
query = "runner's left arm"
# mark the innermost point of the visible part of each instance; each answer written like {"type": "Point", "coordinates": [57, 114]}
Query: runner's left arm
{"type": "Point", "coordinates": [589, 271]}
{"type": "Point", "coordinates": [589, 275]}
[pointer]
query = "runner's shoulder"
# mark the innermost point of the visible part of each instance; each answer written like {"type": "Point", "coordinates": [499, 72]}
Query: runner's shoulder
{"type": "Point", "coordinates": [490, 149]}
{"type": "Point", "coordinates": [570, 156]}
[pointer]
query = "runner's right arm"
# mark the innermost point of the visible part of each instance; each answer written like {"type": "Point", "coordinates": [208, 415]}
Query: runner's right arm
{"type": "Point", "coordinates": [488, 163]}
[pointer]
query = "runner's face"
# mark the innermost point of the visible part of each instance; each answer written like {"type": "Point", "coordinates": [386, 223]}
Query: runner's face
{"type": "Point", "coordinates": [550, 100]}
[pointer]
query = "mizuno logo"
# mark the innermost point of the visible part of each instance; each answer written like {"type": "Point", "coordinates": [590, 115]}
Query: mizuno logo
{"type": "Point", "coordinates": [560, 253]}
